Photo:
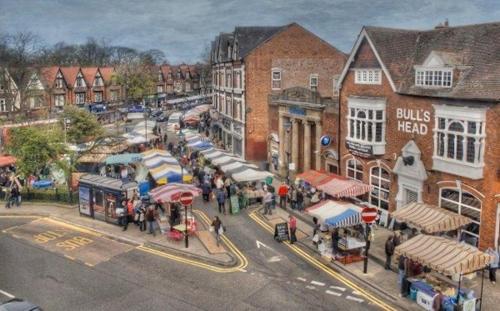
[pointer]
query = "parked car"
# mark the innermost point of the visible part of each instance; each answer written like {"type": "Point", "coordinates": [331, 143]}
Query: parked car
{"type": "Point", "coordinates": [17, 304]}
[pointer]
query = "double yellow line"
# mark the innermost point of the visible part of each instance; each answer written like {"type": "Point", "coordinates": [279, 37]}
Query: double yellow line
{"type": "Point", "coordinates": [243, 262]}
{"type": "Point", "coordinates": [318, 264]}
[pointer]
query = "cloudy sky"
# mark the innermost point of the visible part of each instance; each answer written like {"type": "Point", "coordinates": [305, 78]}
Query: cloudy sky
{"type": "Point", "coordinates": [182, 28]}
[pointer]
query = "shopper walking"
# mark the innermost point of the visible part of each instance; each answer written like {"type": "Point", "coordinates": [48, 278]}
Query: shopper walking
{"type": "Point", "coordinates": [218, 228]}
{"type": "Point", "coordinates": [268, 201]}
{"type": "Point", "coordinates": [493, 264]}
{"type": "Point", "coordinates": [142, 218]}
{"type": "Point", "coordinates": [389, 251]}
{"type": "Point", "coordinates": [283, 193]}
{"type": "Point", "coordinates": [293, 197]}
{"type": "Point", "coordinates": [206, 189]}
{"type": "Point", "coordinates": [221, 200]}
{"type": "Point", "coordinates": [292, 225]}
{"type": "Point", "coordinates": [300, 200]}
{"type": "Point", "coordinates": [150, 218]}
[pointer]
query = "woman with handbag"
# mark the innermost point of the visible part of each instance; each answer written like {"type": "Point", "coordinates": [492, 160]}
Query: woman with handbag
{"type": "Point", "coordinates": [218, 228]}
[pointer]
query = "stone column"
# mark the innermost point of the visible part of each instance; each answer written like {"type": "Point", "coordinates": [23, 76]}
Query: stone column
{"type": "Point", "coordinates": [282, 144]}
{"type": "Point", "coordinates": [295, 142]}
{"type": "Point", "coordinates": [307, 146]}
{"type": "Point", "coordinates": [317, 152]}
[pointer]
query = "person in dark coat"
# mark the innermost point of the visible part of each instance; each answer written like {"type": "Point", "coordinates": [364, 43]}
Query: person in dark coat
{"type": "Point", "coordinates": [205, 190]}
{"type": "Point", "coordinates": [221, 200]}
{"type": "Point", "coordinates": [335, 240]}
{"type": "Point", "coordinates": [300, 200]}
{"type": "Point", "coordinates": [389, 251]}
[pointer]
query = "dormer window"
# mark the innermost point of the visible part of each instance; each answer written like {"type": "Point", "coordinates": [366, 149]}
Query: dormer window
{"type": "Point", "coordinates": [433, 78]}
{"type": "Point", "coordinates": [98, 80]}
{"type": "Point", "coordinates": [160, 77]}
{"type": "Point", "coordinates": [79, 81]}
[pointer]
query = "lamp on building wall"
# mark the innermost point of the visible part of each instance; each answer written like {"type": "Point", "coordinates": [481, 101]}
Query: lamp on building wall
{"type": "Point", "coordinates": [288, 128]}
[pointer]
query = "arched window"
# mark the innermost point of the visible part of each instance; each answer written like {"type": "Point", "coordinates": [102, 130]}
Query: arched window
{"type": "Point", "coordinates": [354, 169]}
{"type": "Point", "coordinates": [463, 203]}
{"type": "Point", "coordinates": [380, 179]}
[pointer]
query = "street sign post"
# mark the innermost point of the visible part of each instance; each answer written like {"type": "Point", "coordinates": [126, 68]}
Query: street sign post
{"type": "Point", "coordinates": [186, 199]}
{"type": "Point", "coordinates": [368, 215]}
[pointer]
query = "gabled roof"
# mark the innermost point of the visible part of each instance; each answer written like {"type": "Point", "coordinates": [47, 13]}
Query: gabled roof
{"type": "Point", "coordinates": [89, 74]}
{"type": "Point", "coordinates": [471, 50]}
{"type": "Point", "coordinates": [48, 75]}
{"type": "Point", "coordinates": [70, 74]}
{"type": "Point", "coordinates": [165, 70]}
{"type": "Point", "coordinates": [249, 38]}
{"type": "Point", "coordinates": [106, 73]}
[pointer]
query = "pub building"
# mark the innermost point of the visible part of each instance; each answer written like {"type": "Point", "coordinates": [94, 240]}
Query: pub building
{"type": "Point", "coordinates": [419, 115]}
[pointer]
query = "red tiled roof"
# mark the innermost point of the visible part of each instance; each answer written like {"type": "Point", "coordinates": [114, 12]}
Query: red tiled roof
{"type": "Point", "coordinates": [89, 74]}
{"type": "Point", "coordinates": [107, 73]}
{"type": "Point", "coordinates": [48, 75]}
{"type": "Point", "coordinates": [165, 70]}
{"type": "Point", "coordinates": [69, 74]}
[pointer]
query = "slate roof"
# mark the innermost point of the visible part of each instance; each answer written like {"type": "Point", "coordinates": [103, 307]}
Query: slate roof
{"type": "Point", "coordinates": [248, 38]}
{"type": "Point", "coordinates": [472, 50]}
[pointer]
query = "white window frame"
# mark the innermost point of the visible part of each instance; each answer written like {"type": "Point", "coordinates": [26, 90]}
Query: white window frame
{"type": "Point", "coordinates": [366, 105]}
{"type": "Point", "coordinates": [78, 98]}
{"type": "Point", "coordinates": [368, 76]}
{"type": "Point", "coordinates": [59, 103]}
{"type": "Point", "coordinates": [464, 116]}
{"type": "Point", "coordinates": [461, 205]}
{"type": "Point", "coordinates": [378, 187]}
{"type": "Point", "coordinates": [355, 169]}
{"type": "Point", "coordinates": [312, 77]}
{"type": "Point", "coordinates": [96, 94]}
{"type": "Point", "coordinates": [278, 71]}
{"type": "Point", "coordinates": [433, 77]}
{"type": "Point", "coordinates": [159, 89]}
{"type": "Point", "coordinates": [3, 105]}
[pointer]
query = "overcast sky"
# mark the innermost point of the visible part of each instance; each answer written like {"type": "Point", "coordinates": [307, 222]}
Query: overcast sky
{"type": "Point", "coordinates": [182, 28]}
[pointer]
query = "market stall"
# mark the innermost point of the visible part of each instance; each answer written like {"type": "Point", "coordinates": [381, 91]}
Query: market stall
{"type": "Point", "coordinates": [341, 187]}
{"type": "Point", "coordinates": [315, 178]}
{"type": "Point", "coordinates": [236, 167]}
{"type": "Point", "coordinates": [125, 159]}
{"type": "Point", "coordinates": [100, 197]}
{"type": "Point", "coordinates": [250, 175]}
{"type": "Point", "coordinates": [345, 219]}
{"type": "Point", "coordinates": [450, 265]}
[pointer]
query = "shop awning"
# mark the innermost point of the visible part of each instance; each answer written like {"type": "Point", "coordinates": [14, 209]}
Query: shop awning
{"type": "Point", "coordinates": [214, 155]}
{"type": "Point", "coordinates": [172, 192]}
{"type": "Point", "coordinates": [7, 160]}
{"type": "Point", "coordinates": [336, 214]}
{"type": "Point", "coordinates": [429, 218]}
{"type": "Point", "coordinates": [341, 188]}
{"type": "Point", "coordinates": [315, 178]}
{"type": "Point", "coordinates": [162, 170]}
{"type": "Point", "coordinates": [443, 255]}
{"type": "Point", "coordinates": [225, 159]}
{"type": "Point", "coordinates": [153, 153]}
{"type": "Point", "coordinates": [251, 175]}
{"type": "Point", "coordinates": [125, 158]}
{"type": "Point", "coordinates": [158, 160]}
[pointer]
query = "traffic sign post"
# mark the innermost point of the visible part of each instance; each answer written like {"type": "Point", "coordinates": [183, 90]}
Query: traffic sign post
{"type": "Point", "coordinates": [369, 216]}
{"type": "Point", "coordinates": [186, 199]}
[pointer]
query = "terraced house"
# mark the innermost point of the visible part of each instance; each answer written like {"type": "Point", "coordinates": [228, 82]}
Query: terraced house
{"type": "Point", "coordinates": [177, 80]}
{"type": "Point", "coordinates": [419, 122]}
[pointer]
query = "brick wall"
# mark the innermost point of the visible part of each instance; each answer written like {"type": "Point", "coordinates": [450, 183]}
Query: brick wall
{"type": "Point", "coordinates": [485, 189]}
{"type": "Point", "coordinates": [292, 43]}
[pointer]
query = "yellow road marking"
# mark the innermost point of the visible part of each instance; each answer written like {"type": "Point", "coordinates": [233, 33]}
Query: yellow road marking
{"type": "Point", "coordinates": [71, 226]}
{"type": "Point", "coordinates": [315, 262]}
{"type": "Point", "coordinates": [19, 216]}
{"type": "Point", "coordinates": [69, 257]}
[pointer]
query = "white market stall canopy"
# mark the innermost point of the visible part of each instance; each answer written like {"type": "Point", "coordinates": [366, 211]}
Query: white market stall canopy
{"type": "Point", "coordinates": [225, 159]}
{"type": "Point", "coordinates": [155, 152]}
{"type": "Point", "coordinates": [336, 214]}
{"type": "Point", "coordinates": [251, 175]}
{"type": "Point", "coordinates": [135, 116]}
{"type": "Point", "coordinates": [236, 165]}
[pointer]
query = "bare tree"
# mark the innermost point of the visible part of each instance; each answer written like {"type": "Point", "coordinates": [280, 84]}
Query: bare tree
{"type": "Point", "coordinates": [204, 69]}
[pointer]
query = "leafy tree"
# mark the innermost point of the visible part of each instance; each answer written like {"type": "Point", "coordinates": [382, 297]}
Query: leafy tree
{"type": "Point", "coordinates": [34, 148]}
{"type": "Point", "coordinates": [82, 126]}
{"type": "Point", "coordinates": [137, 78]}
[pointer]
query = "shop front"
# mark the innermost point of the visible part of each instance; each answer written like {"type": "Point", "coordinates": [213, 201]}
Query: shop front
{"type": "Point", "coordinates": [99, 196]}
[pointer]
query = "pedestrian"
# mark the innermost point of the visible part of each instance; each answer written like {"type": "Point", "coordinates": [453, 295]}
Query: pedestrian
{"type": "Point", "coordinates": [128, 212]}
{"type": "Point", "coordinates": [315, 197]}
{"type": "Point", "coordinates": [300, 200]}
{"type": "Point", "coordinates": [402, 268]}
{"type": "Point", "coordinates": [293, 197]}
{"type": "Point", "coordinates": [221, 200]}
{"type": "Point", "coordinates": [227, 185]}
{"type": "Point", "coordinates": [150, 218]}
{"type": "Point", "coordinates": [493, 264]}
{"type": "Point", "coordinates": [120, 213]}
{"type": "Point", "coordinates": [142, 218]}
{"type": "Point", "coordinates": [397, 239]}
{"type": "Point", "coordinates": [205, 190]}
{"type": "Point", "coordinates": [267, 200]}
{"type": "Point", "coordinates": [316, 226]}
{"type": "Point", "coordinates": [283, 193]}
{"type": "Point", "coordinates": [437, 302]}
{"type": "Point", "coordinates": [292, 225]}
{"type": "Point", "coordinates": [335, 240]}
{"type": "Point", "coordinates": [389, 251]}
{"type": "Point", "coordinates": [13, 199]}
{"type": "Point", "coordinates": [218, 228]}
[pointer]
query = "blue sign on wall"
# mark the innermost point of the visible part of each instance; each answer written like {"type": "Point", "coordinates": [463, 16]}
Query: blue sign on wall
{"type": "Point", "coordinates": [297, 110]}
{"type": "Point", "coordinates": [325, 140]}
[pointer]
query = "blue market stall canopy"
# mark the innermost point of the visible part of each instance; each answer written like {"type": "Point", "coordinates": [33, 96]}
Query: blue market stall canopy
{"type": "Point", "coordinates": [200, 145]}
{"type": "Point", "coordinates": [336, 214]}
{"type": "Point", "coordinates": [153, 153]}
{"type": "Point", "coordinates": [125, 158]}
{"type": "Point", "coordinates": [164, 169]}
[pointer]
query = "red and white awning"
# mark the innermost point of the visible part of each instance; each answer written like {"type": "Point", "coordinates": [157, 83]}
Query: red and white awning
{"type": "Point", "coordinates": [342, 188]}
{"type": "Point", "coordinates": [172, 192]}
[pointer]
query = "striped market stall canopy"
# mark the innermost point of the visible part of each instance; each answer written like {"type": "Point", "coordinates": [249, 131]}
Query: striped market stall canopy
{"type": "Point", "coordinates": [429, 218]}
{"type": "Point", "coordinates": [341, 188]}
{"type": "Point", "coordinates": [125, 158]}
{"type": "Point", "coordinates": [172, 192]}
{"type": "Point", "coordinates": [154, 152]}
{"type": "Point", "coordinates": [316, 178]}
{"type": "Point", "coordinates": [443, 255]}
{"type": "Point", "coordinates": [336, 214]}
{"type": "Point", "coordinates": [159, 160]}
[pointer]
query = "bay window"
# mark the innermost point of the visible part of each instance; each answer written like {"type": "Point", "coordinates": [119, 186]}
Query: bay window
{"type": "Point", "coordinates": [366, 123]}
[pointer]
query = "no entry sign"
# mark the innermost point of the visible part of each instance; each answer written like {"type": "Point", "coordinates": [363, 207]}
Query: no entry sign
{"type": "Point", "coordinates": [186, 198]}
{"type": "Point", "coordinates": [369, 215]}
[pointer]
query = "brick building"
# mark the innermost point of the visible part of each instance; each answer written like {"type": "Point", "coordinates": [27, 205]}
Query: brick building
{"type": "Point", "coordinates": [419, 121]}
{"type": "Point", "coordinates": [177, 80]}
{"type": "Point", "coordinates": [243, 78]}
